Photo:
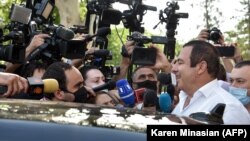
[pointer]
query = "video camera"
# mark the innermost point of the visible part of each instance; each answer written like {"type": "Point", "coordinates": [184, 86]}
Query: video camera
{"type": "Point", "coordinates": [142, 55]}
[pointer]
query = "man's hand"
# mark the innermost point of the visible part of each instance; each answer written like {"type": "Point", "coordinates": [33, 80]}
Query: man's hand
{"type": "Point", "coordinates": [16, 84]}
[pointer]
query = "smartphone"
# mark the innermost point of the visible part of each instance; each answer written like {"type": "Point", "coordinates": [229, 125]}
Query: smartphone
{"type": "Point", "coordinates": [143, 56]}
{"type": "Point", "coordinates": [226, 51]}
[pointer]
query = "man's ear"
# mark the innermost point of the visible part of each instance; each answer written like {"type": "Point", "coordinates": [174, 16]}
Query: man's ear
{"type": "Point", "coordinates": [201, 67]}
{"type": "Point", "coordinates": [59, 94]}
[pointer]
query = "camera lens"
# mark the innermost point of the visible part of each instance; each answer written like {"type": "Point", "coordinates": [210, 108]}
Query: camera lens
{"type": "Point", "coordinates": [215, 34]}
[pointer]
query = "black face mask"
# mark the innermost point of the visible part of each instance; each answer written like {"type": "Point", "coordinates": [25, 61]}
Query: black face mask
{"type": "Point", "coordinates": [147, 84]}
{"type": "Point", "coordinates": [81, 95]}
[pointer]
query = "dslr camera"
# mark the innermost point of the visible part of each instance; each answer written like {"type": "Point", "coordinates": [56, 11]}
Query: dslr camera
{"type": "Point", "coordinates": [224, 51]}
{"type": "Point", "coordinates": [214, 34]}
{"type": "Point", "coordinates": [142, 55]}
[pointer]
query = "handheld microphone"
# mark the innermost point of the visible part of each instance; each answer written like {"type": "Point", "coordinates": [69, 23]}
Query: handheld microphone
{"type": "Point", "coordinates": [37, 86]}
{"type": "Point", "coordinates": [109, 85]}
{"type": "Point", "coordinates": [165, 102]}
{"type": "Point", "coordinates": [164, 78]}
{"type": "Point", "coordinates": [126, 92]}
{"type": "Point", "coordinates": [149, 98]}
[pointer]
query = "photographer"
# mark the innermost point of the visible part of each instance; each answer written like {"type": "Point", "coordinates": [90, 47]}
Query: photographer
{"type": "Point", "coordinates": [217, 37]}
{"type": "Point", "coordinates": [161, 64]}
{"type": "Point", "coordinates": [36, 41]}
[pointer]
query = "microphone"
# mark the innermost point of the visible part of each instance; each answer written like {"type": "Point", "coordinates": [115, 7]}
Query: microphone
{"type": "Point", "coordinates": [109, 85]}
{"type": "Point", "coordinates": [103, 31]}
{"type": "Point", "coordinates": [65, 33]}
{"type": "Point", "coordinates": [37, 86]}
{"type": "Point", "coordinates": [101, 53]}
{"type": "Point", "coordinates": [126, 93]}
{"type": "Point", "coordinates": [149, 98]}
{"type": "Point", "coordinates": [165, 102]}
{"type": "Point", "coordinates": [164, 78]}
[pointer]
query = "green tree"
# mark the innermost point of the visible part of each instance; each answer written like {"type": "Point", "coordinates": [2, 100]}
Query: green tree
{"type": "Point", "coordinates": [242, 34]}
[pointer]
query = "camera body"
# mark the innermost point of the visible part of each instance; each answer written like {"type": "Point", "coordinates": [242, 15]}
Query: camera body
{"type": "Point", "coordinates": [142, 55]}
{"type": "Point", "coordinates": [214, 34]}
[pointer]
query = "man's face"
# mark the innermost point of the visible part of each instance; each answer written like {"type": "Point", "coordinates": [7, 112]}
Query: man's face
{"type": "Point", "coordinates": [144, 74]}
{"type": "Point", "coordinates": [104, 99]}
{"type": "Point", "coordinates": [185, 75]}
{"type": "Point", "coordinates": [240, 78]}
{"type": "Point", "coordinates": [74, 81]}
{"type": "Point", "coordinates": [94, 78]}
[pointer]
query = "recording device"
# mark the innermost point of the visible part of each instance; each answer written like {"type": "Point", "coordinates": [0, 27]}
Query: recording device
{"type": "Point", "coordinates": [102, 31]}
{"type": "Point", "coordinates": [132, 19]}
{"type": "Point", "coordinates": [226, 51]}
{"type": "Point", "coordinates": [142, 55]}
{"type": "Point", "coordinates": [109, 85]}
{"type": "Point", "coordinates": [37, 86]}
{"type": "Point", "coordinates": [126, 92]}
{"type": "Point", "coordinates": [214, 34]}
{"type": "Point", "coordinates": [165, 102]}
{"type": "Point", "coordinates": [150, 98]}
{"type": "Point", "coordinates": [171, 18]}
{"type": "Point", "coordinates": [12, 53]}
{"type": "Point", "coordinates": [215, 116]}
{"type": "Point", "coordinates": [166, 78]}
{"type": "Point", "coordinates": [20, 14]}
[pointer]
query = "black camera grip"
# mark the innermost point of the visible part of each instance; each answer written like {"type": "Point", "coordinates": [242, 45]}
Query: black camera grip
{"type": "Point", "coordinates": [3, 89]}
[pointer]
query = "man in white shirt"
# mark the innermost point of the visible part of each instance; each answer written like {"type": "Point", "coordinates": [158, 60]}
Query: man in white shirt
{"type": "Point", "coordinates": [196, 70]}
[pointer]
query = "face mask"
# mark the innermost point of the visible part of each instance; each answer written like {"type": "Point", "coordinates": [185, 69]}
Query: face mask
{"type": "Point", "coordinates": [240, 94]}
{"type": "Point", "coordinates": [147, 84]}
{"type": "Point", "coordinates": [81, 95]}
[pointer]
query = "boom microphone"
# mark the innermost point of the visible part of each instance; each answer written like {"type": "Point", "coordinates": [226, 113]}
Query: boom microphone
{"type": "Point", "coordinates": [37, 86]}
{"type": "Point", "coordinates": [103, 31]}
{"type": "Point", "coordinates": [109, 85]}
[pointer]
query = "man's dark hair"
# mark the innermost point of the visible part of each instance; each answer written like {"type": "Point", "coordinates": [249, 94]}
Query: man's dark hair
{"type": "Point", "coordinates": [204, 51]}
{"type": "Point", "coordinates": [242, 64]}
{"type": "Point", "coordinates": [57, 71]}
{"type": "Point", "coordinates": [85, 69]}
{"type": "Point", "coordinates": [28, 69]}
{"type": "Point", "coordinates": [138, 68]}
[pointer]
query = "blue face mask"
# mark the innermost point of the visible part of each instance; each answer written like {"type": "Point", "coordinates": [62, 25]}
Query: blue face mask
{"type": "Point", "coordinates": [240, 94]}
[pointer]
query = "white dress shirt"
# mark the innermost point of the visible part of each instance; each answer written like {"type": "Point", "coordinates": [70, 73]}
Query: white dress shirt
{"type": "Point", "coordinates": [207, 97]}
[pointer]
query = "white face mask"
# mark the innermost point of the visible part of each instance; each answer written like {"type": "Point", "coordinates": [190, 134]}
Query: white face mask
{"type": "Point", "coordinates": [240, 94]}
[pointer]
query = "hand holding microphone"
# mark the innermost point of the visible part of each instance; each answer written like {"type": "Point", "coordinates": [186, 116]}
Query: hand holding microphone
{"type": "Point", "coordinates": [15, 84]}
{"type": "Point", "coordinates": [33, 86]}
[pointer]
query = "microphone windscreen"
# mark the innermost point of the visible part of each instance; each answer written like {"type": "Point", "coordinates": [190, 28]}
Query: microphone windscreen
{"type": "Point", "coordinates": [149, 98]}
{"type": "Point", "coordinates": [165, 102]}
{"type": "Point", "coordinates": [50, 85]}
{"type": "Point", "coordinates": [103, 31]}
{"type": "Point", "coordinates": [64, 33]}
{"type": "Point", "coordinates": [126, 92]}
{"type": "Point", "coordinates": [164, 78]}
